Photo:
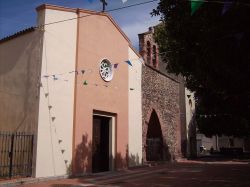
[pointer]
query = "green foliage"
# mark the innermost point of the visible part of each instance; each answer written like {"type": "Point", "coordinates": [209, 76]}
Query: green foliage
{"type": "Point", "coordinates": [211, 50]}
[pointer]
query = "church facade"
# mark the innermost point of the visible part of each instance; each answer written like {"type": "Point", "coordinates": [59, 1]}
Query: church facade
{"type": "Point", "coordinates": [72, 86]}
{"type": "Point", "coordinates": [82, 91]}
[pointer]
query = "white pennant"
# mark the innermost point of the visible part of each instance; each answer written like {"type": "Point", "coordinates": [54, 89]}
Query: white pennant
{"type": "Point", "coordinates": [124, 1]}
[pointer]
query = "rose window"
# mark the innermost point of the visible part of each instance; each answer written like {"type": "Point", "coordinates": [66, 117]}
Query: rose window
{"type": "Point", "coordinates": [106, 70]}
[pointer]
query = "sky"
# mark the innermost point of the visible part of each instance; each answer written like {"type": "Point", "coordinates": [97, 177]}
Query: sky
{"type": "Point", "coordinates": [16, 15]}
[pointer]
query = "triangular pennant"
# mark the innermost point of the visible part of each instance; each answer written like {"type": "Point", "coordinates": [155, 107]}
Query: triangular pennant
{"type": "Point", "coordinates": [128, 62]}
{"type": "Point", "coordinates": [115, 66]}
{"type": "Point", "coordinates": [85, 83]}
{"type": "Point", "coordinates": [83, 71]}
{"type": "Point", "coordinates": [54, 77]}
{"type": "Point", "coordinates": [195, 5]}
{"type": "Point", "coordinates": [226, 6]}
{"type": "Point", "coordinates": [124, 1]}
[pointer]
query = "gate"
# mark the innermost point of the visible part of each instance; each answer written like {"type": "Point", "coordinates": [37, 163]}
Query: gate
{"type": "Point", "coordinates": [16, 153]}
{"type": "Point", "coordinates": [154, 149]}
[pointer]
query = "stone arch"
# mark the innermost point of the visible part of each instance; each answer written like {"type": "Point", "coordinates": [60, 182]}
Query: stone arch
{"type": "Point", "coordinates": [154, 139]}
{"type": "Point", "coordinates": [154, 114]}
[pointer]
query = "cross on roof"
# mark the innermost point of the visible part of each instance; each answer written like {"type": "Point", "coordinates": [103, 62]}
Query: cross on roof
{"type": "Point", "coordinates": [104, 4]}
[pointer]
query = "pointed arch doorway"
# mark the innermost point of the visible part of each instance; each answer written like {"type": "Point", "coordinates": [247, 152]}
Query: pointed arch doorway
{"type": "Point", "coordinates": [154, 141]}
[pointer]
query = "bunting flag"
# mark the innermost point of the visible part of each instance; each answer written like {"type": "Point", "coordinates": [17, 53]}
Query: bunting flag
{"type": "Point", "coordinates": [195, 5]}
{"type": "Point", "coordinates": [53, 118]}
{"type": "Point", "coordinates": [128, 62]}
{"type": "Point", "coordinates": [54, 77]}
{"type": "Point", "coordinates": [124, 1]}
{"type": "Point", "coordinates": [85, 83]}
{"type": "Point", "coordinates": [84, 71]}
{"type": "Point", "coordinates": [227, 5]}
{"type": "Point", "coordinates": [116, 66]}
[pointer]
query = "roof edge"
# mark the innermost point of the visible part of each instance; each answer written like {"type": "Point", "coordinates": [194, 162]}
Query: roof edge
{"type": "Point", "coordinates": [17, 34]}
{"type": "Point", "coordinates": [135, 51]}
{"type": "Point", "coordinates": [55, 7]}
{"type": "Point", "coordinates": [78, 10]}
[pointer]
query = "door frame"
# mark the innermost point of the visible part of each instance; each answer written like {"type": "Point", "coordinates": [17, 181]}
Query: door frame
{"type": "Point", "coordinates": [112, 135]}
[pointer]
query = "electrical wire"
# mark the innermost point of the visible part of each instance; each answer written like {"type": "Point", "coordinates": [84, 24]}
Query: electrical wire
{"type": "Point", "coordinates": [100, 12]}
{"type": "Point", "coordinates": [143, 3]}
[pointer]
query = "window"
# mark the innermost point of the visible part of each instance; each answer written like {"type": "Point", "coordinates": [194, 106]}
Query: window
{"type": "Point", "coordinates": [154, 56]}
{"type": "Point", "coordinates": [148, 52]}
{"type": "Point", "coordinates": [106, 70]}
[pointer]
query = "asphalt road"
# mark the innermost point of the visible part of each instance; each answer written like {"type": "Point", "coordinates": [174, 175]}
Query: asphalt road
{"type": "Point", "coordinates": [181, 174]}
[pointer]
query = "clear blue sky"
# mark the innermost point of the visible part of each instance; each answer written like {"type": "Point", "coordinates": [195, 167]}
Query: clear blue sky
{"type": "Point", "coordinates": [16, 15]}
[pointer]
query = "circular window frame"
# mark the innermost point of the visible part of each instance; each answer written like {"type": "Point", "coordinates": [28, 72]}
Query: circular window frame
{"type": "Point", "coordinates": [108, 77]}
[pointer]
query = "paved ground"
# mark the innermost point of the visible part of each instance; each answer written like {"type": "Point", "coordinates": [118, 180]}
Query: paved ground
{"type": "Point", "coordinates": [182, 174]}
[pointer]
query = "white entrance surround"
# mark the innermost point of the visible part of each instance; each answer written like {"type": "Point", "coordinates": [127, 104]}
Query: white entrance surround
{"type": "Point", "coordinates": [112, 137]}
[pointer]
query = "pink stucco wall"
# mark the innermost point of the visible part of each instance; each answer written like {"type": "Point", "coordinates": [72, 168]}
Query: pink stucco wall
{"type": "Point", "coordinates": [99, 38]}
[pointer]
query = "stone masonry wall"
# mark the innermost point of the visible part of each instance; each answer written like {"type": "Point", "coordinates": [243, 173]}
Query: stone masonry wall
{"type": "Point", "coordinates": [161, 93]}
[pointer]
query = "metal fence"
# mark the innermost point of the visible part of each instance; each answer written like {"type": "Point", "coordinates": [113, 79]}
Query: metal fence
{"type": "Point", "coordinates": [16, 152]}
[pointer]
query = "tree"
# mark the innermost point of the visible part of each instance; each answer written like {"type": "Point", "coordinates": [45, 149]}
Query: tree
{"type": "Point", "coordinates": [210, 48]}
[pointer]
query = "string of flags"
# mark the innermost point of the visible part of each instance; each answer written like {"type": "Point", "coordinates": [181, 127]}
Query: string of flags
{"type": "Point", "coordinates": [83, 71]}
{"type": "Point", "coordinates": [212, 115]}
{"type": "Point", "coordinates": [52, 120]}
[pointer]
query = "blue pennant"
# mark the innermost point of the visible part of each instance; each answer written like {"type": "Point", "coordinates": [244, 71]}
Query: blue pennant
{"type": "Point", "coordinates": [128, 62]}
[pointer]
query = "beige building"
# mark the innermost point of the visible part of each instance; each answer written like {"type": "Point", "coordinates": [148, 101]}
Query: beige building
{"type": "Point", "coordinates": [70, 87]}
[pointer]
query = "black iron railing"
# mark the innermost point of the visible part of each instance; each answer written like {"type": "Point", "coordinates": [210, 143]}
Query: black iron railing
{"type": "Point", "coordinates": [16, 153]}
